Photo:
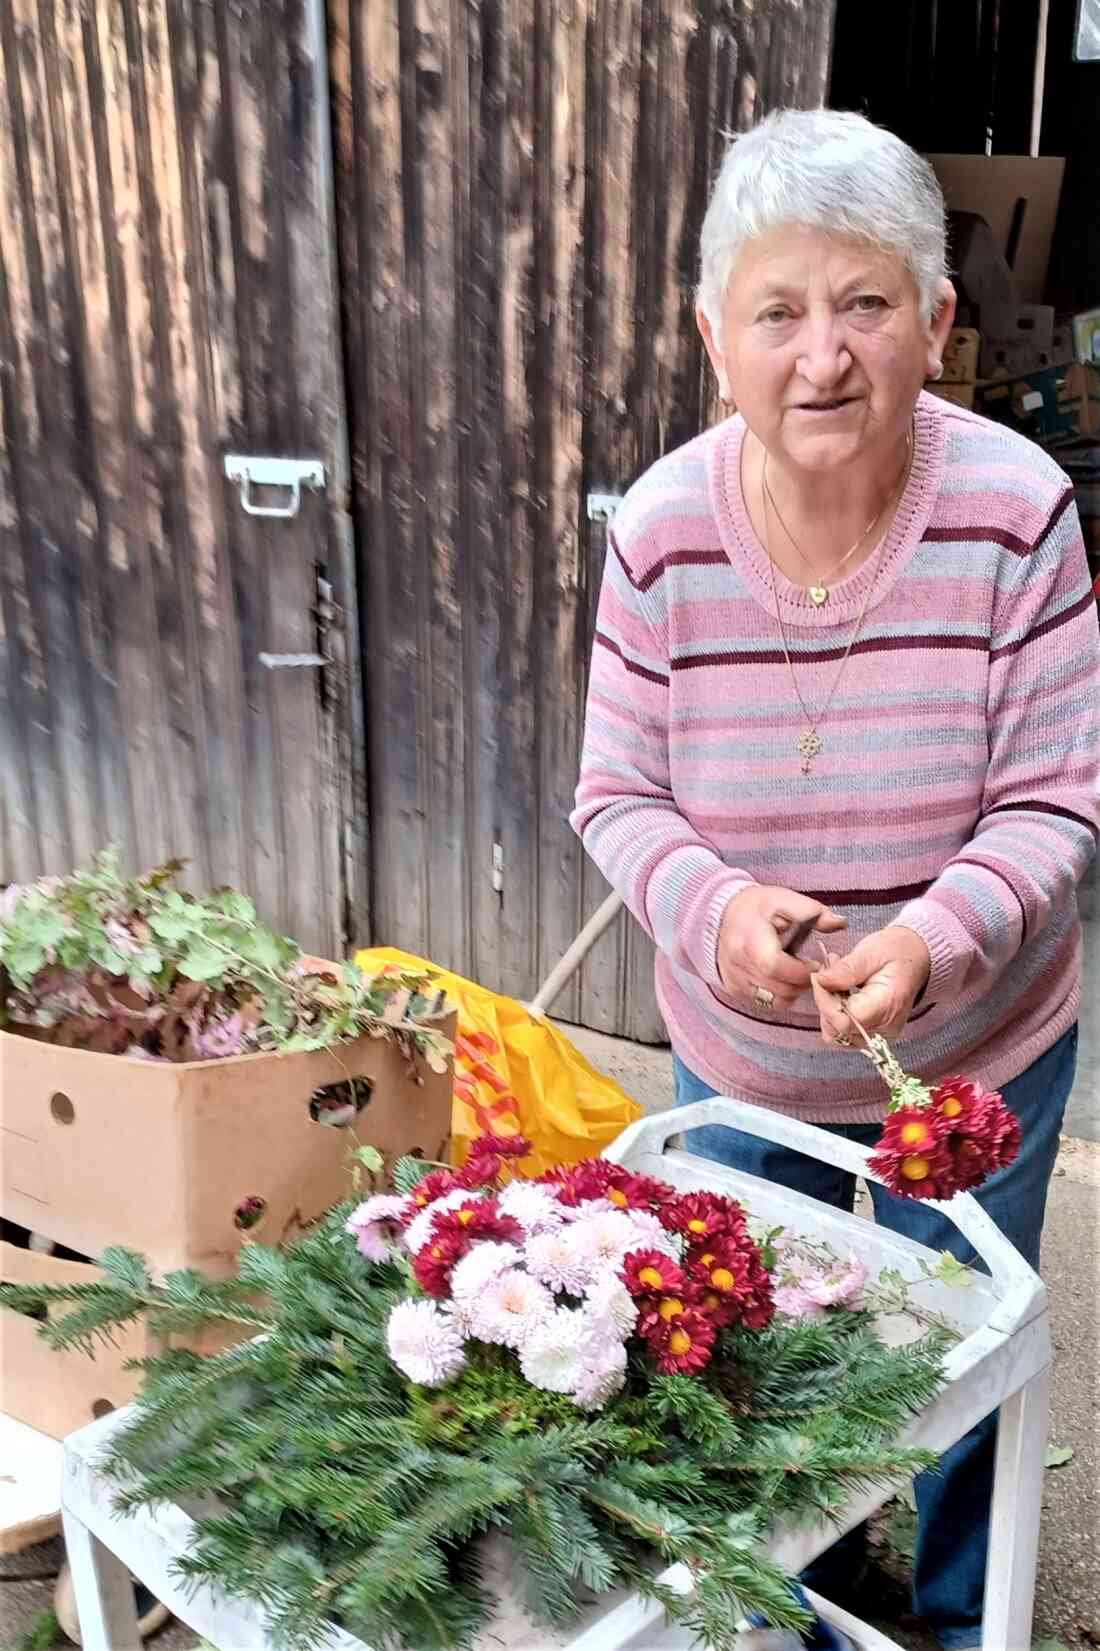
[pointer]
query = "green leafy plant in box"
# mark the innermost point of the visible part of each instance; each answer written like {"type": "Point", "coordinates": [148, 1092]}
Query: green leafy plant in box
{"type": "Point", "coordinates": [136, 966]}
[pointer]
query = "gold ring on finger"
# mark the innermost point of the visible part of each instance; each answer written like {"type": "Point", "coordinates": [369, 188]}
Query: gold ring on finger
{"type": "Point", "coordinates": [763, 998]}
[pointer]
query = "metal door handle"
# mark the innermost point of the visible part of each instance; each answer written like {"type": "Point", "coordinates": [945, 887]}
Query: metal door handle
{"type": "Point", "coordinates": [249, 472]}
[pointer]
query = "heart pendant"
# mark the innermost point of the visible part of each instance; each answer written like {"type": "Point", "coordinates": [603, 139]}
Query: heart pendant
{"type": "Point", "coordinates": [818, 595]}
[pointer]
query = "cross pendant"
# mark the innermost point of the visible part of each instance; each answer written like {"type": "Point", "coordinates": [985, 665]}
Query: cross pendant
{"type": "Point", "coordinates": [809, 745]}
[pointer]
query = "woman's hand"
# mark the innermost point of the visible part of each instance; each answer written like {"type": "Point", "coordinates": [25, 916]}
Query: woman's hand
{"type": "Point", "coordinates": [751, 958]}
{"type": "Point", "coordinates": [882, 977]}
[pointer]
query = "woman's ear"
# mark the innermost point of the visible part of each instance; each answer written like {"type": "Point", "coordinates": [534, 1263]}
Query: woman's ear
{"type": "Point", "coordinates": [702, 321]}
{"type": "Point", "coordinates": [943, 316]}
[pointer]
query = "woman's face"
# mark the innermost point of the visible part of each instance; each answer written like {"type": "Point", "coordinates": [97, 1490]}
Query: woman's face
{"type": "Point", "coordinates": [822, 348]}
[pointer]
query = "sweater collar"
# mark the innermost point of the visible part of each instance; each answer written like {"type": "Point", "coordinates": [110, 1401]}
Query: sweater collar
{"type": "Point", "coordinates": [750, 560]}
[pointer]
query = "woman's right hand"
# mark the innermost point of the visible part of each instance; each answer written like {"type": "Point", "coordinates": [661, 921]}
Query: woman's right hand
{"type": "Point", "coordinates": [751, 958]}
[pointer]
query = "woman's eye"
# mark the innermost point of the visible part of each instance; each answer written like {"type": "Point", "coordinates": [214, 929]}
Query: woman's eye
{"type": "Point", "coordinates": [776, 317]}
{"type": "Point", "coordinates": [868, 302]}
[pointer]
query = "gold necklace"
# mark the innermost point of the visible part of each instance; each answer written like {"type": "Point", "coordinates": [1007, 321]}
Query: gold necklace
{"type": "Point", "coordinates": [809, 743]}
{"type": "Point", "coordinates": [817, 592]}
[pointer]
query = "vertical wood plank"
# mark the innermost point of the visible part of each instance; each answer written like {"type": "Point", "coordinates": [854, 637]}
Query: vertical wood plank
{"type": "Point", "coordinates": [559, 604]}
{"type": "Point", "coordinates": [517, 791]}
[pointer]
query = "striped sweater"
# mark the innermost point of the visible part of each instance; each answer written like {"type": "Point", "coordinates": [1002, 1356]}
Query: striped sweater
{"type": "Point", "coordinates": [956, 791]}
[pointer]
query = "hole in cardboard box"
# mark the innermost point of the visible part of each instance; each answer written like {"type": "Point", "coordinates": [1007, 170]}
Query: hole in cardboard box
{"type": "Point", "coordinates": [62, 1109]}
{"type": "Point", "coordinates": [249, 1213]}
{"type": "Point", "coordinates": [339, 1104]}
{"type": "Point", "coordinates": [101, 1407]}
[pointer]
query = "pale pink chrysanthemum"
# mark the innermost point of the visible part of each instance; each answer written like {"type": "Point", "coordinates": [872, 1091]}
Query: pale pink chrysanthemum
{"type": "Point", "coordinates": [602, 1378]}
{"type": "Point", "coordinates": [587, 1207]}
{"type": "Point", "coordinates": [510, 1307]}
{"type": "Point", "coordinates": [836, 1286]}
{"type": "Point", "coordinates": [556, 1260]}
{"type": "Point", "coordinates": [418, 1231]}
{"type": "Point", "coordinates": [603, 1240]}
{"type": "Point", "coordinates": [484, 1262]}
{"type": "Point", "coordinates": [534, 1207]}
{"type": "Point", "coordinates": [793, 1301]}
{"type": "Point", "coordinates": [610, 1303]}
{"type": "Point", "coordinates": [424, 1343]}
{"type": "Point", "coordinates": [376, 1225]}
{"type": "Point", "coordinates": [551, 1357]}
{"type": "Point", "coordinates": [652, 1236]}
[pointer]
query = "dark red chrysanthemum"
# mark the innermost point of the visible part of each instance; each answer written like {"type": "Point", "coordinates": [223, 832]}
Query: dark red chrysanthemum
{"type": "Point", "coordinates": [682, 1342]}
{"type": "Point", "coordinates": [599, 1178]}
{"type": "Point", "coordinates": [433, 1262]}
{"type": "Point", "coordinates": [704, 1216]}
{"type": "Point", "coordinates": [477, 1218]}
{"type": "Point", "coordinates": [482, 1171]}
{"type": "Point", "coordinates": [963, 1136]}
{"type": "Point", "coordinates": [651, 1273]}
{"type": "Point", "coordinates": [913, 1154]}
{"type": "Point", "coordinates": [735, 1287]}
{"type": "Point", "coordinates": [433, 1186]}
{"type": "Point", "coordinates": [500, 1146]}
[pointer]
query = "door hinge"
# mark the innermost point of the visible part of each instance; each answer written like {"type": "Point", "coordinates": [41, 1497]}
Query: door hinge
{"type": "Point", "coordinates": [602, 506]}
{"type": "Point", "coordinates": [498, 868]}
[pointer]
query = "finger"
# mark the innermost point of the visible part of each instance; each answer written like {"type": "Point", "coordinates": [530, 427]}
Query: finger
{"type": "Point", "coordinates": [764, 956]}
{"type": "Point", "coordinates": [792, 908]}
{"type": "Point", "coordinates": [877, 1007]}
{"type": "Point", "coordinates": [834, 1019]}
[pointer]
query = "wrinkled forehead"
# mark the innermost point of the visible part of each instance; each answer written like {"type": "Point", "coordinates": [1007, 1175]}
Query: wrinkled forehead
{"type": "Point", "coordinates": [806, 263]}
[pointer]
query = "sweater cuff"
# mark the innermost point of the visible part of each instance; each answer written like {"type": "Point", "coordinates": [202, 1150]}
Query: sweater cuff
{"type": "Point", "coordinates": [703, 909]}
{"type": "Point", "coordinates": [950, 946]}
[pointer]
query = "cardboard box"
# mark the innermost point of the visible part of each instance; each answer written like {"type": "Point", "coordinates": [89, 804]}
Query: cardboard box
{"type": "Point", "coordinates": [174, 1160]}
{"type": "Point", "coordinates": [994, 186]}
{"type": "Point", "coordinates": [58, 1392]}
{"type": "Point", "coordinates": [960, 356]}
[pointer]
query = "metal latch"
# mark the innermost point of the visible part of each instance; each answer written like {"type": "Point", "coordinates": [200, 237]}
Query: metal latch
{"type": "Point", "coordinates": [602, 506]}
{"type": "Point", "coordinates": [249, 472]}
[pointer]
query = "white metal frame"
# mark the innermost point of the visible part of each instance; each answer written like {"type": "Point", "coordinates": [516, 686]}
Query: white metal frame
{"type": "Point", "coordinates": [1001, 1361]}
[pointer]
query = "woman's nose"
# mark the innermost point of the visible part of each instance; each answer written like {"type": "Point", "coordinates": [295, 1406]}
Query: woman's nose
{"type": "Point", "coordinates": [824, 358]}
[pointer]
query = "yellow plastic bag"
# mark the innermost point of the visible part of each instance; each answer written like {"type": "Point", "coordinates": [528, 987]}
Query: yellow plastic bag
{"type": "Point", "coordinates": [515, 1072]}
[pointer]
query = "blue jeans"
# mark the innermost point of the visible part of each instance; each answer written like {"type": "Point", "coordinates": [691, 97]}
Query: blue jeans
{"type": "Point", "coordinates": [952, 1504]}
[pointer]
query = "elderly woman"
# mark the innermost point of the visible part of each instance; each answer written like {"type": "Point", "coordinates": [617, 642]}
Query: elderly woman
{"type": "Point", "coordinates": [845, 670]}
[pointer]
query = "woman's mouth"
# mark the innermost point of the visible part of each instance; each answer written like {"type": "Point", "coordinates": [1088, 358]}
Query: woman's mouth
{"type": "Point", "coordinates": [834, 404]}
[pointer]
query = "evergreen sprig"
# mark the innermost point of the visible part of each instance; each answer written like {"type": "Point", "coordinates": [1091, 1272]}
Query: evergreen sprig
{"type": "Point", "coordinates": [337, 1492]}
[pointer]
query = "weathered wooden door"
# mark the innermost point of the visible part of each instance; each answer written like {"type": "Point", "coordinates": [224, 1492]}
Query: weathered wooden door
{"type": "Point", "coordinates": [521, 185]}
{"type": "Point", "coordinates": [166, 298]}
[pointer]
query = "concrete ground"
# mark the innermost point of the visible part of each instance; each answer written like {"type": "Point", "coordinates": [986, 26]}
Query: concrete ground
{"type": "Point", "coordinates": [1068, 1592]}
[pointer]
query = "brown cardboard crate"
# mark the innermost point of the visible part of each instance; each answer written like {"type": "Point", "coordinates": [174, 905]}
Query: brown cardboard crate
{"type": "Point", "coordinates": [58, 1392]}
{"type": "Point", "coordinates": [101, 1149]}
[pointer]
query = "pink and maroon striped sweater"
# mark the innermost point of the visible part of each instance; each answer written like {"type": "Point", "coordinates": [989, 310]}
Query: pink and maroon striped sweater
{"type": "Point", "coordinates": [956, 792]}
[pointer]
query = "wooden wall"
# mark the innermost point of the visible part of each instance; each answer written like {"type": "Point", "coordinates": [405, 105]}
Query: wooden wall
{"type": "Point", "coordinates": [165, 246]}
{"type": "Point", "coordinates": [520, 185]}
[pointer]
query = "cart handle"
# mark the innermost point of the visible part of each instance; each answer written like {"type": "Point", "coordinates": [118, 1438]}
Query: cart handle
{"type": "Point", "coordinates": [652, 1134]}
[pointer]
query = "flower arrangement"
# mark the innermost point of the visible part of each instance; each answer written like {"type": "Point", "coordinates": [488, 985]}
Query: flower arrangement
{"type": "Point", "coordinates": [591, 1365]}
{"type": "Point", "coordinates": [567, 1272]}
{"type": "Point", "coordinates": [941, 1139]}
{"type": "Point", "coordinates": [134, 966]}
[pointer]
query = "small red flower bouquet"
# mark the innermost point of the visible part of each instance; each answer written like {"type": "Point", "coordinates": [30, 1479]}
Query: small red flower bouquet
{"type": "Point", "coordinates": [937, 1141]}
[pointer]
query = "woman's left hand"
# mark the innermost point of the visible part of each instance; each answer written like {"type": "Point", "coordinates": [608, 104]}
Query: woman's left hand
{"type": "Point", "coordinates": [882, 977]}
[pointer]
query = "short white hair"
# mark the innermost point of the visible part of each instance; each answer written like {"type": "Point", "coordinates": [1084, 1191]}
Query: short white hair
{"type": "Point", "coordinates": [824, 169]}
